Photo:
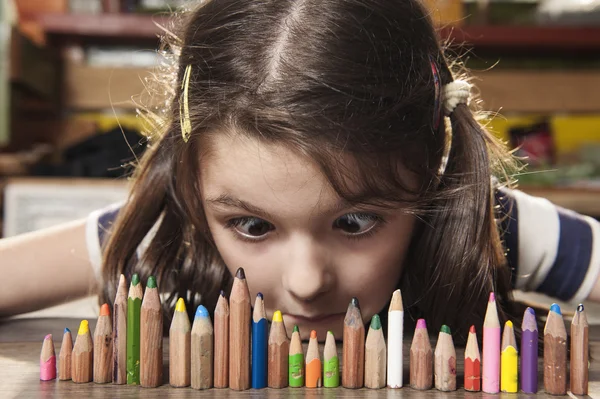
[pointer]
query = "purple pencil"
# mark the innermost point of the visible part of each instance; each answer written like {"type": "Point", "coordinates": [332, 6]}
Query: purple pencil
{"type": "Point", "coordinates": [529, 353]}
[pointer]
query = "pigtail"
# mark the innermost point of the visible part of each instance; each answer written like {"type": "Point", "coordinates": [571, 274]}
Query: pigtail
{"type": "Point", "coordinates": [456, 258]}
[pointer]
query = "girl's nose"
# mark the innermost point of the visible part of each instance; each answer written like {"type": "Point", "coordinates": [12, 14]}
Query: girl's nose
{"type": "Point", "coordinates": [307, 273]}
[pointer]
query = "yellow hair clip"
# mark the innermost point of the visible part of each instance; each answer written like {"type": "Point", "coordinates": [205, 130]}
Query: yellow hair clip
{"type": "Point", "coordinates": [184, 115]}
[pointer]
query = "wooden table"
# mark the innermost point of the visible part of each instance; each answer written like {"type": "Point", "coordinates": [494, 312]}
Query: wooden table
{"type": "Point", "coordinates": [21, 342]}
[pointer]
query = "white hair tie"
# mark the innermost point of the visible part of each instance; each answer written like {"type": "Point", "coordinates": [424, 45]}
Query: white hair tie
{"type": "Point", "coordinates": [456, 92]}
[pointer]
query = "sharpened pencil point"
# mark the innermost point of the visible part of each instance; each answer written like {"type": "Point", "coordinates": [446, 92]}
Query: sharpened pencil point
{"type": "Point", "coordinates": [84, 327]}
{"type": "Point", "coordinates": [260, 295]}
{"type": "Point", "coordinates": [201, 311]}
{"type": "Point", "coordinates": [445, 329]}
{"type": "Point", "coordinates": [135, 279]}
{"type": "Point", "coordinates": [313, 334]}
{"type": "Point", "coordinates": [222, 293]}
{"type": "Point", "coordinates": [375, 322]}
{"type": "Point", "coordinates": [472, 329]}
{"type": "Point", "coordinates": [67, 331]}
{"type": "Point", "coordinates": [580, 308]}
{"type": "Point", "coordinates": [354, 302]}
{"type": "Point", "coordinates": [240, 273]}
{"type": "Point", "coordinates": [47, 337]}
{"type": "Point", "coordinates": [277, 316]}
{"type": "Point", "coordinates": [151, 282]}
{"type": "Point", "coordinates": [180, 305]}
{"type": "Point", "coordinates": [492, 297]}
{"type": "Point", "coordinates": [421, 323]}
{"type": "Point", "coordinates": [555, 308]}
{"type": "Point", "coordinates": [105, 310]}
{"type": "Point", "coordinates": [296, 329]}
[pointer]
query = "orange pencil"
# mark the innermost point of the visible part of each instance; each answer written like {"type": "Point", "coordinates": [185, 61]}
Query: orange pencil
{"type": "Point", "coordinates": [313, 363]}
{"type": "Point", "coordinates": [103, 347]}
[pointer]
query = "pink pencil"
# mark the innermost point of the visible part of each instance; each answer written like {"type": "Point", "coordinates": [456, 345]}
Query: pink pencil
{"type": "Point", "coordinates": [491, 348]}
{"type": "Point", "coordinates": [47, 360]}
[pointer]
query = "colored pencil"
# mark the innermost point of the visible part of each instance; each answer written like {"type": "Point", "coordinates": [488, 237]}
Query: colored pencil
{"type": "Point", "coordinates": [83, 355]}
{"type": "Point", "coordinates": [529, 352]}
{"type": "Point", "coordinates": [202, 350]}
{"type": "Point", "coordinates": [472, 363]}
{"type": "Point", "coordinates": [353, 347]}
{"type": "Point", "coordinates": [120, 333]}
{"type": "Point", "coordinates": [421, 358]}
{"type": "Point", "coordinates": [221, 348]}
{"type": "Point", "coordinates": [375, 355]}
{"type": "Point", "coordinates": [579, 352]}
{"type": "Point", "coordinates": [331, 366]}
{"type": "Point", "coordinates": [134, 304]}
{"type": "Point", "coordinates": [296, 360]}
{"type": "Point", "coordinates": [239, 333]}
{"type": "Point", "coordinates": [179, 347]}
{"type": "Point", "coordinates": [555, 353]}
{"type": "Point", "coordinates": [445, 361]}
{"type": "Point", "coordinates": [151, 321]}
{"type": "Point", "coordinates": [47, 359]}
{"type": "Point", "coordinates": [279, 349]}
{"type": "Point", "coordinates": [395, 366]}
{"type": "Point", "coordinates": [64, 357]}
{"type": "Point", "coordinates": [103, 347]}
{"type": "Point", "coordinates": [491, 348]}
{"type": "Point", "coordinates": [313, 362]}
{"type": "Point", "coordinates": [259, 344]}
{"type": "Point", "coordinates": [509, 360]}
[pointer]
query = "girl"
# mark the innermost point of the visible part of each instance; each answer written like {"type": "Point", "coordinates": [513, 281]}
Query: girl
{"type": "Point", "coordinates": [325, 147]}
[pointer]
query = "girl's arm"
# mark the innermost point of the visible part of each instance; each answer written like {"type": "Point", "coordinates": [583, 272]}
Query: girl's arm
{"type": "Point", "coordinates": [550, 249]}
{"type": "Point", "coordinates": [44, 268]}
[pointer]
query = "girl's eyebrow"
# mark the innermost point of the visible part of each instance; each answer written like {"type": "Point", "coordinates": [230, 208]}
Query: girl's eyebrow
{"type": "Point", "coordinates": [230, 201]}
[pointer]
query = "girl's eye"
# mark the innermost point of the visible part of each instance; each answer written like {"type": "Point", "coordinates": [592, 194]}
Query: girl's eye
{"type": "Point", "coordinates": [354, 225]}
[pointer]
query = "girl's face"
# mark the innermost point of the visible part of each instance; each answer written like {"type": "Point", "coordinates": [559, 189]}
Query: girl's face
{"type": "Point", "coordinates": [273, 213]}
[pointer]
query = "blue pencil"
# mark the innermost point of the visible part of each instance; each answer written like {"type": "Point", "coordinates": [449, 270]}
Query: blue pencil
{"type": "Point", "coordinates": [259, 344]}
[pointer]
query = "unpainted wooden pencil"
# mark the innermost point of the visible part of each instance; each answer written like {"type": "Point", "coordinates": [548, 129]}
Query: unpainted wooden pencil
{"type": "Point", "coordinates": [47, 360]}
{"type": "Point", "coordinates": [65, 355]}
{"type": "Point", "coordinates": [103, 347]}
{"type": "Point", "coordinates": [353, 365]}
{"type": "Point", "coordinates": [239, 333]}
{"type": "Point", "coordinates": [555, 353]}
{"type": "Point", "coordinates": [82, 359]}
{"type": "Point", "coordinates": [579, 352]}
{"type": "Point", "coordinates": [202, 350]}
{"type": "Point", "coordinates": [120, 333]}
{"type": "Point", "coordinates": [179, 347]}
{"type": "Point", "coordinates": [375, 356]}
{"type": "Point", "coordinates": [221, 348]}
{"type": "Point", "coordinates": [279, 348]}
{"type": "Point", "coordinates": [421, 358]}
{"type": "Point", "coordinates": [151, 349]}
{"type": "Point", "coordinates": [445, 361]}
{"type": "Point", "coordinates": [313, 363]}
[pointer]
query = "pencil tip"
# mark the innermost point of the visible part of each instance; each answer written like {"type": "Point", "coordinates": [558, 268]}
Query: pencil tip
{"type": "Point", "coordinates": [151, 282]}
{"type": "Point", "coordinates": [180, 305]}
{"type": "Point", "coordinates": [84, 327]}
{"type": "Point", "coordinates": [354, 302]}
{"type": "Point", "coordinates": [330, 333]}
{"type": "Point", "coordinates": [260, 295]}
{"type": "Point", "coordinates": [240, 273]}
{"type": "Point", "coordinates": [530, 311]}
{"type": "Point", "coordinates": [296, 329]}
{"type": "Point", "coordinates": [421, 323]}
{"type": "Point", "coordinates": [555, 308]}
{"type": "Point", "coordinates": [492, 297]}
{"type": "Point", "coordinates": [472, 329]}
{"type": "Point", "coordinates": [222, 293]}
{"type": "Point", "coordinates": [313, 334]}
{"type": "Point", "coordinates": [508, 324]}
{"type": "Point", "coordinates": [445, 329]}
{"type": "Point", "coordinates": [48, 337]}
{"type": "Point", "coordinates": [201, 311]}
{"type": "Point", "coordinates": [67, 331]}
{"type": "Point", "coordinates": [580, 308]}
{"type": "Point", "coordinates": [105, 310]}
{"type": "Point", "coordinates": [375, 322]}
{"type": "Point", "coordinates": [277, 318]}
{"type": "Point", "coordinates": [135, 279]}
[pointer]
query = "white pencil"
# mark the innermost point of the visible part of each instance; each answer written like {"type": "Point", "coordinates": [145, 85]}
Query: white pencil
{"type": "Point", "coordinates": [395, 336]}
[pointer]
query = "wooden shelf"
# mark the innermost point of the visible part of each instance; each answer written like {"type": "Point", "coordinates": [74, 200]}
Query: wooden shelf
{"type": "Point", "coordinates": [534, 38]}
{"type": "Point", "coordinates": [133, 26]}
{"type": "Point", "coordinates": [529, 38]}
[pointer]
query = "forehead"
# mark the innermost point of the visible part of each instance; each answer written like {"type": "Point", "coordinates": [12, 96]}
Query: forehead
{"type": "Point", "coordinates": [268, 175]}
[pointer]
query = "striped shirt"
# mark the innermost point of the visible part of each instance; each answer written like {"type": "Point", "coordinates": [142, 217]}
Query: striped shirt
{"type": "Point", "coordinates": [549, 249]}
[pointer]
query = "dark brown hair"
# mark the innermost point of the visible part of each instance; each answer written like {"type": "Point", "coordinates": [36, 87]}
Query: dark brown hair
{"type": "Point", "coordinates": [322, 77]}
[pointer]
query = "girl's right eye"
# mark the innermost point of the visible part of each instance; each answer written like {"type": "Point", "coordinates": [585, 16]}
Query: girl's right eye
{"type": "Point", "coordinates": [250, 229]}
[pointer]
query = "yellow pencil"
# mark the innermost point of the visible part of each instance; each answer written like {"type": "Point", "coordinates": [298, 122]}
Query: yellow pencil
{"type": "Point", "coordinates": [509, 360]}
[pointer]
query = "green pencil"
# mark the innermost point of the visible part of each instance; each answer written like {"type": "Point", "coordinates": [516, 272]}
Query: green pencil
{"type": "Point", "coordinates": [331, 364]}
{"type": "Point", "coordinates": [134, 304]}
{"type": "Point", "coordinates": [296, 360]}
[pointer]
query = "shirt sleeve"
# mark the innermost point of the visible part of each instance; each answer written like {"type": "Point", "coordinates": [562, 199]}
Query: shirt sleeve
{"type": "Point", "coordinates": [549, 249]}
{"type": "Point", "coordinates": [98, 225]}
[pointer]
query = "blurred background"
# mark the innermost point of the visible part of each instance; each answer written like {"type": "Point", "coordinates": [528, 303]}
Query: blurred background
{"type": "Point", "coordinates": [69, 70]}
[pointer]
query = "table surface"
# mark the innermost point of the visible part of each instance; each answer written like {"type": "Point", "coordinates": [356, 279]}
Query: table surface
{"type": "Point", "coordinates": [21, 342]}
